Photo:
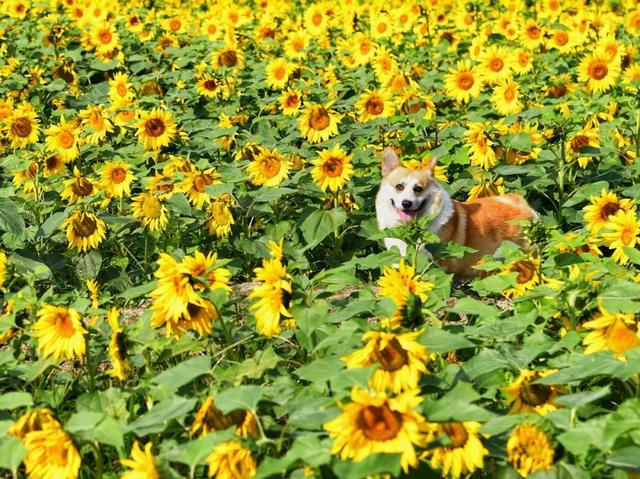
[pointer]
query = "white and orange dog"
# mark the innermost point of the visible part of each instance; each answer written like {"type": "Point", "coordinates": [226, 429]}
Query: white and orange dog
{"type": "Point", "coordinates": [482, 224]}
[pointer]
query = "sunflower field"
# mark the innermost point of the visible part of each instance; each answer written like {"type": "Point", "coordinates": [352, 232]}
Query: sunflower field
{"type": "Point", "coordinates": [192, 280]}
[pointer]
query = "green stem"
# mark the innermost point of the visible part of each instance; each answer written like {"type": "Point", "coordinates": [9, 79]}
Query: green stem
{"type": "Point", "coordinates": [99, 459]}
{"type": "Point", "coordinates": [88, 365]}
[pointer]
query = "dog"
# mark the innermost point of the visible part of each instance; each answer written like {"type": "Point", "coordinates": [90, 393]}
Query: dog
{"type": "Point", "coordinates": [481, 224]}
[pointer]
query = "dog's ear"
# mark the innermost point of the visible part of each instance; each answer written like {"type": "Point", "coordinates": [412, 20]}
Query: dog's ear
{"type": "Point", "coordinates": [390, 161]}
{"type": "Point", "coordinates": [432, 166]}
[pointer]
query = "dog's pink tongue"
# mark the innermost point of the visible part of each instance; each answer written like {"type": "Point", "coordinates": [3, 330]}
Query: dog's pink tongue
{"type": "Point", "coordinates": [405, 216]}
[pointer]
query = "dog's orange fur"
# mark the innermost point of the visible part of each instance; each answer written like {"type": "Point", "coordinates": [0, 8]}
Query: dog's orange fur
{"type": "Point", "coordinates": [483, 224]}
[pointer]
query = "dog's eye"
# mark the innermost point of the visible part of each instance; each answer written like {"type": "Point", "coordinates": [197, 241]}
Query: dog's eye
{"type": "Point", "coordinates": [399, 187]}
{"type": "Point", "coordinates": [418, 189]}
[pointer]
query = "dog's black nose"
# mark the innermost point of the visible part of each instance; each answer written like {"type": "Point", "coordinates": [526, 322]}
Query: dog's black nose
{"type": "Point", "coordinates": [406, 204]}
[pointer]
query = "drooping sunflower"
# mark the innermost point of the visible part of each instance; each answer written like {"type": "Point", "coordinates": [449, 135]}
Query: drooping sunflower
{"type": "Point", "coordinates": [59, 332]}
{"type": "Point", "coordinates": [375, 423]}
{"type": "Point", "coordinates": [117, 178]}
{"type": "Point", "coordinates": [142, 463]}
{"type": "Point", "coordinates": [318, 123]}
{"type": "Point", "coordinates": [230, 460]}
{"type": "Point", "coordinates": [209, 418]}
{"type": "Point", "coordinates": [597, 72]}
{"type": "Point", "coordinates": [150, 210]}
{"type": "Point", "coordinates": [85, 230]}
{"type": "Point", "coordinates": [506, 98]}
{"type": "Point", "coordinates": [463, 82]}
{"type": "Point", "coordinates": [174, 290]}
{"type": "Point", "coordinates": [23, 126]}
{"type": "Point", "coordinates": [156, 129]}
{"type": "Point", "coordinates": [496, 63]}
{"type": "Point", "coordinates": [272, 296]}
{"type": "Point", "coordinates": [290, 102]}
{"type": "Point", "coordinates": [277, 73]}
{"type": "Point", "coordinates": [529, 449]}
{"type": "Point", "coordinates": [332, 169]}
{"type": "Point", "coordinates": [117, 346]}
{"type": "Point", "coordinates": [624, 231]}
{"type": "Point", "coordinates": [195, 183]}
{"type": "Point", "coordinates": [97, 123]}
{"type": "Point", "coordinates": [400, 358]}
{"type": "Point", "coordinates": [77, 187]}
{"type": "Point", "coordinates": [616, 332]}
{"type": "Point", "coordinates": [220, 218]}
{"type": "Point", "coordinates": [375, 104]}
{"type": "Point", "coordinates": [525, 395]}
{"type": "Point", "coordinates": [463, 455]}
{"type": "Point", "coordinates": [198, 315]}
{"type": "Point", "coordinates": [587, 137]}
{"type": "Point", "coordinates": [602, 207]}
{"type": "Point", "coordinates": [63, 139]}
{"type": "Point", "coordinates": [528, 269]}
{"type": "Point", "coordinates": [50, 451]}
{"type": "Point", "coordinates": [269, 168]}
{"type": "Point", "coordinates": [487, 187]}
{"type": "Point", "coordinates": [400, 284]}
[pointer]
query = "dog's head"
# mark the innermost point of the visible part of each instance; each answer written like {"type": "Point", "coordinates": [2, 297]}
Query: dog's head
{"type": "Point", "coordinates": [412, 193]}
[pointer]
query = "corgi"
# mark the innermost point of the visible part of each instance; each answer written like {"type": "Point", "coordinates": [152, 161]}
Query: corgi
{"type": "Point", "coordinates": [481, 224]}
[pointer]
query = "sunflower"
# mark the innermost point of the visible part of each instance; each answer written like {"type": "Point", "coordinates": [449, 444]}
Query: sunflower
{"type": "Point", "coordinates": [290, 102]}
{"type": "Point", "coordinates": [228, 57]}
{"type": "Point", "coordinates": [174, 290]}
{"type": "Point", "coordinates": [563, 40]}
{"type": "Point", "coordinates": [150, 210]}
{"type": "Point", "coordinates": [318, 123]}
{"type": "Point", "coordinates": [97, 123]}
{"type": "Point", "coordinates": [209, 86]}
{"type": "Point", "coordinates": [487, 187]}
{"type": "Point", "coordinates": [631, 76]}
{"type": "Point", "coordinates": [597, 72]}
{"type": "Point", "coordinates": [633, 22]}
{"type": "Point", "coordinates": [220, 217]}
{"type": "Point", "coordinates": [523, 62]}
{"type": "Point", "coordinates": [505, 98]}
{"type": "Point", "coordinates": [528, 275]}
{"type": "Point", "coordinates": [496, 63]}
{"type": "Point", "coordinates": [212, 28]}
{"type": "Point", "coordinates": [85, 230]}
{"type": "Point", "coordinates": [121, 91]}
{"type": "Point", "coordinates": [296, 44]}
{"type": "Point", "coordinates": [464, 453]}
{"type": "Point", "coordinates": [602, 207]}
{"type": "Point", "coordinates": [6, 109]}
{"type": "Point", "coordinates": [105, 38]}
{"type": "Point", "coordinates": [269, 168]}
{"type": "Point", "coordinates": [532, 34]}
{"type": "Point", "coordinates": [63, 139]}
{"type": "Point", "coordinates": [272, 296]}
{"type": "Point", "coordinates": [375, 104]}
{"type": "Point", "coordinates": [463, 82]}
{"type": "Point", "coordinates": [209, 418]}
{"type": "Point", "coordinates": [587, 137]}
{"type": "Point", "coordinates": [117, 346]}
{"type": "Point", "coordinates": [277, 73]}
{"type": "Point", "coordinates": [3, 267]}
{"type": "Point", "coordinates": [53, 164]}
{"type": "Point", "coordinates": [524, 395]}
{"type": "Point", "coordinates": [117, 178]}
{"type": "Point", "coordinates": [230, 460]}
{"type": "Point", "coordinates": [624, 233]}
{"type": "Point", "coordinates": [125, 118]}
{"type": "Point", "coordinates": [315, 21]}
{"type": "Point", "coordinates": [198, 315]}
{"type": "Point", "coordinates": [195, 185]}
{"type": "Point", "coordinates": [400, 358]}
{"type": "Point", "coordinates": [375, 423]}
{"type": "Point", "coordinates": [616, 332]}
{"type": "Point", "coordinates": [156, 129]}
{"type": "Point", "coordinates": [203, 272]}
{"type": "Point", "coordinates": [50, 451]}
{"type": "Point", "coordinates": [142, 463]}
{"type": "Point", "coordinates": [162, 185]}
{"type": "Point", "coordinates": [400, 283]}
{"type": "Point", "coordinates": [77, 188]}
{"type": "Point", "coordinates": [23, 126]}
{"type": "Point", "coordinates": [481, 151]}
{"type": "Point", "coordinates": [59, 332]}
{"type": "Point", "coordinates": [529, 449]}
{"type": "Point", "coordinates": [332, 169]}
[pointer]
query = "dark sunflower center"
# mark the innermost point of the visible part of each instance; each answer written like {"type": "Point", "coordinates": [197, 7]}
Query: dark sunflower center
{"type": "Point", "coordinates": [210, 85]}
{"type": "Point", "coordinates": [379, 423]}
{"type": "Point", "coordinates": [270, 166]}
{"type": "Point", "coordinates": [558, 91]}
{"type": "Point", "coordinates": [496, 64]}
{"type": "Point", "coordinates": [561, 38]}
{"type": "Point", "coordinates": [82, 187]}
{"type": "Point", "coordinates": [105, 37]}
{"type": "Point", "coordinates": [319, 119]}
{"type": "Point", "coordinates": [21, 127]}
{"type": "Point", "coordinates": [457, 434]}
{"type": "Point", "coordinates": [291, 101]}
{"type": "Point", "coordinates": [598, 70]}
{"type": "Point", "coordinates": [578, 142]}
{"type": "Point", "coordinates": [533, 32]}
{"type": "Point", "coordinates": [84, 226]}
{"type": "Point", "coordinates": [118, 175]}
{"type": "Point", "coordinates": [509, 93]}
{"type": "Point", "coordinates": [393, 356]}
{"type": "Point", "coordinates": [52, 162]}
{"type": "Point", "coordinates": [64, 325]}
{"type": "Point", "coordinates": [154, 127]}
{"type": "Point", "coordinates": [610, 208]}
{"type": "Point", "coordinates": [535, 394]}
{"type": "Point", "coordinates": [66, 139]}
{"type": "Point", "coordinates": [229, 58]}
{"type": "Point", "coordinates": [333, 167]}
{"type": "Point", "coordinates": [374, 106]}
{"type": "Point", "coordinates": [465, 81]}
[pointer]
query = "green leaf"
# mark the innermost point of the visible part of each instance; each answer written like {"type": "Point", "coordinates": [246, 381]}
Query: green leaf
{"type": "Point", "coordinates": [142, 290]}
{"type": "Point", "coordinates": [457, 405]}
{"type": "Point", "coordinates": [593, 365]}
{"type": "Point", "coordinates": [496, 283]}
{"type": "Point", "coordinates": [158, 418]}
{"type": "Point", "coordinates": [473, 306]}
{"type": "Point", "coordinates": [319, 224]}
{"type": "Point", "coordinates": [320, 370]}
{"type": "Point", "coordinates": [196, 451]}
{"type": "Point", "coordinates": [88, 265]}
{"type": "Point", "coordinates": [29, 267]}
{"type": "Point", "coordinates": [12, 452]}
{"type": "Point", "coordinates": [585, 436]}
{"type": "Point", "coordinates": [626, 458]}
{"type": "Point", "coordinates": [52, 224]}
{"type": "Point", "coordinates": [372, 465]}
{"type": "Point", "coordinates": [271, 193]}
{"type": "Point", "coordinates": [95, 426]}
{"type": "Point", "coordinates": [219, 189]}
{"type": "Point", "coordinates": [578, 400]}
{"type": "Point", "coordinates": [241, 397]}
{"type": "Point", "coordinates": [442, 341]}
{"type": "Point", "coordinates": [10, 218]}
{"type": "Point", "coordinates": [16, 399]}
{"type": "Point", "coordinates": [183, 373]}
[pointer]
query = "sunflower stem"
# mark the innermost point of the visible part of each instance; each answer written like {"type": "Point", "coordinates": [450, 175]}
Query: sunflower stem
{"type": "Point", "coordinates": [88, 365]}
{"type": "Point", "coordinates": [97, 453]}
